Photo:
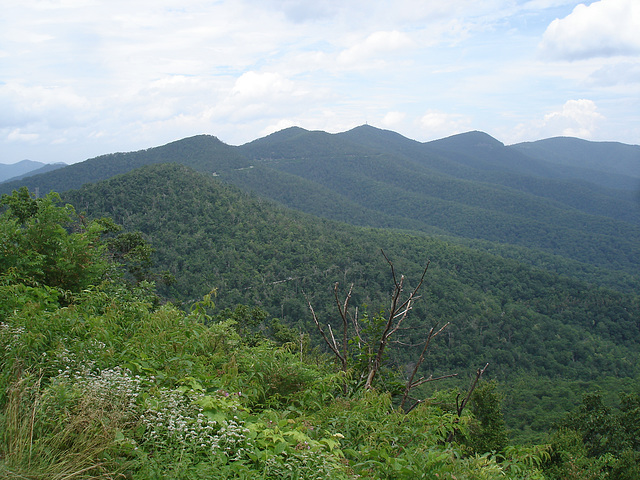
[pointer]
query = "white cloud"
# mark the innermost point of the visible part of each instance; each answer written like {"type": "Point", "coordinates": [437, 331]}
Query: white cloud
{"type": "Point", "coordinates": [392, 119]}
{"type": "Point", "coordinates": [577, 118]}
{"type": "Point", "coordinates": [602, 29]}
{"type": "Point", "coordinates": [262, 86]}
{"type": "Point", "coordinates": [374, 48]}
{"type": "Point", "coordinates": [17, 135]}
{"type": "Point", "coordinates": [84, 77]}
{"type": "Point", "coordinates": [58, 107]}
{"type": "Point", "coordinates": [439, 124]}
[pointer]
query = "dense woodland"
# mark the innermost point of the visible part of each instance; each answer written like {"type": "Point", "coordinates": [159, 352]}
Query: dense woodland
{"type": "Point", "coordinates": [166, 290]}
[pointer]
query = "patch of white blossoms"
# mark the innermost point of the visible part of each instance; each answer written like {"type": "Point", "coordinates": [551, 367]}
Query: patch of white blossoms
{"type": "Point", "coordinates": [108, 390]}
{"type": "Point", "coordinates": [9, 335]}
{"type": "Point", "coordinates": [174, 419]}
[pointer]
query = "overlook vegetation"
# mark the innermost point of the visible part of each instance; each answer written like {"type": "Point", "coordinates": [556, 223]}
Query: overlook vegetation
{"type": "Point", "coordinates": [101, 381]}
{"type": "Point", "coordinates": [134, 313]}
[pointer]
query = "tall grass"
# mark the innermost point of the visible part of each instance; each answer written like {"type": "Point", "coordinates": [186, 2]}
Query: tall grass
{"type": "Point", "coordinates": [65, 430]}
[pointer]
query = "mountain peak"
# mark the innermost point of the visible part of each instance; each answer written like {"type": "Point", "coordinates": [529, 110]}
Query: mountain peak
{"type": "Point", "coordinates": [473, 139]}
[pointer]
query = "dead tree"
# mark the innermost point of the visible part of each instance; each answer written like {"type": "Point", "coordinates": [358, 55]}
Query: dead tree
{"type": "Point", "coordinates": [398, 312]}
{"type": "Point", "coordinates": [341, 352]}
{"type": "Point", "coordinates": [410, 383]}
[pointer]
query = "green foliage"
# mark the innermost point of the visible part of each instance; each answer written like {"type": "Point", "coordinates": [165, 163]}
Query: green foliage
{"type": "Point", "coordinates": [97, 379]}
{"type": "Point", "coordinates": [49, 245]}
{"type": "Point", "coordinates": [111, 385]}
{"type": "Point", "coordinates": [487, 432]}
{"type": "Point", "coordinates": [598, 441]}
{"type": "Point", "coordinates": [132, 249]}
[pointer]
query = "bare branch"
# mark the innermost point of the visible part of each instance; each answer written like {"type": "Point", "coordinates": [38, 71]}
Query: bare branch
{"type": "Point", "coordinates": [324, 335]}
{"type": "Point", "coordinates": [356, 327]}
{"type": "Point", "coordinates": [460, 406]}
{"type": "Point", "coordinates": [333, 339]}
{"type": "Point", "coordinates": [479, 374]}
{"type": "Point", "coordinates": [398, 312]}
{"type": "Point", "coordinates": [432, 379]}
{"type": "Point", "coordinates": [343, 310]}
{"type": "Point", "coordinates": [410, 383]}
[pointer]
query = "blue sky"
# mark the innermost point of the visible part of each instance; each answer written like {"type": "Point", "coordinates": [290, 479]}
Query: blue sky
{"type": "Point", "coordinates": [80, 78]}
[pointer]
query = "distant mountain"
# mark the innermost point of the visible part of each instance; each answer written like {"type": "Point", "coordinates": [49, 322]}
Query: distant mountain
{"type": "Point", "coordinates": [203, 152]}
{"type": "Point", "coordinates": [468, 186]}
{"type": "Point", "coordinates": [9, 171]}
{"type": "Point", "coordinates": [479, 157]}
{"type": "Point", "coordinates": [47, 167]}
{"type": "Point", "coordinates": [610, 164]}
{"type": "Point", "coordinates": [609, 157]}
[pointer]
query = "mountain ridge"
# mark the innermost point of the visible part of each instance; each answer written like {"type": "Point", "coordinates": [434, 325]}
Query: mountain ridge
{"type": "Point", "coordinates": [468, 186]}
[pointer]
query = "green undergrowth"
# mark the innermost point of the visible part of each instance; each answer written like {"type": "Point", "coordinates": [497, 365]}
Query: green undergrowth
{"type": "Point", "coordinates": [109, 386]}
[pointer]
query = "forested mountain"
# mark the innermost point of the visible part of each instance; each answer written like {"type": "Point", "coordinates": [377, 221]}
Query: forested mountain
{"type": "Point", "coordinates": [605, 163]}
{"type": "Point", "coordinates": [411, 185]}
{"type": "Point", "coordinates": [530, 325]}
{"type": "Point", "coordinates": [203, 152]}
{"type": "Point", "coordinates": [470, 187]}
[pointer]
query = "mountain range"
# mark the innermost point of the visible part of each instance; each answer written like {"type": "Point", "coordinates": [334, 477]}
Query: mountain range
{"type": "Point", "coordinates": [556, 198]}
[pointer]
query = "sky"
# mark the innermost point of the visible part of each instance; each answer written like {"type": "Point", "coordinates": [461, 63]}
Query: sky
{"type": "Point", "coordinates": [81, 78]}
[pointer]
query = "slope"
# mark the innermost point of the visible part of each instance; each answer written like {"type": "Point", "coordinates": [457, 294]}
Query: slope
{"type": "Point", "coordinates": [525, 322]}
{"type": "Point", "coordinates": [403, 187]}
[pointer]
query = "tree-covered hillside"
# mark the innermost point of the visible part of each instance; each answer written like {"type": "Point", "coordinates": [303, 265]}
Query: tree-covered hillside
{"type": "Point", "coordinates": [99, 381]}
{"type": "Point", "coordinates": [605, 163]}
{"type": "Point", "coordinates": [526, 323]}
{"type": "Point", "coordinates": [400, 186]}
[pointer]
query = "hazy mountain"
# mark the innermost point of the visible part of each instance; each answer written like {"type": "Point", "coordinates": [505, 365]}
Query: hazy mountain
{"type": "Point", "coordinates": [607, 157]}
{"type": "Point", "coordinates": [8, 171]}
{"type": "Point", "coordinates": [47, 167]}
{"type": "Point", "coordinates": [478, 156]}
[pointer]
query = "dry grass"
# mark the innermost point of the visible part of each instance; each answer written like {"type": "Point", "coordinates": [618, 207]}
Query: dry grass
{"type": "Point", "coordinates": [59, 433]}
